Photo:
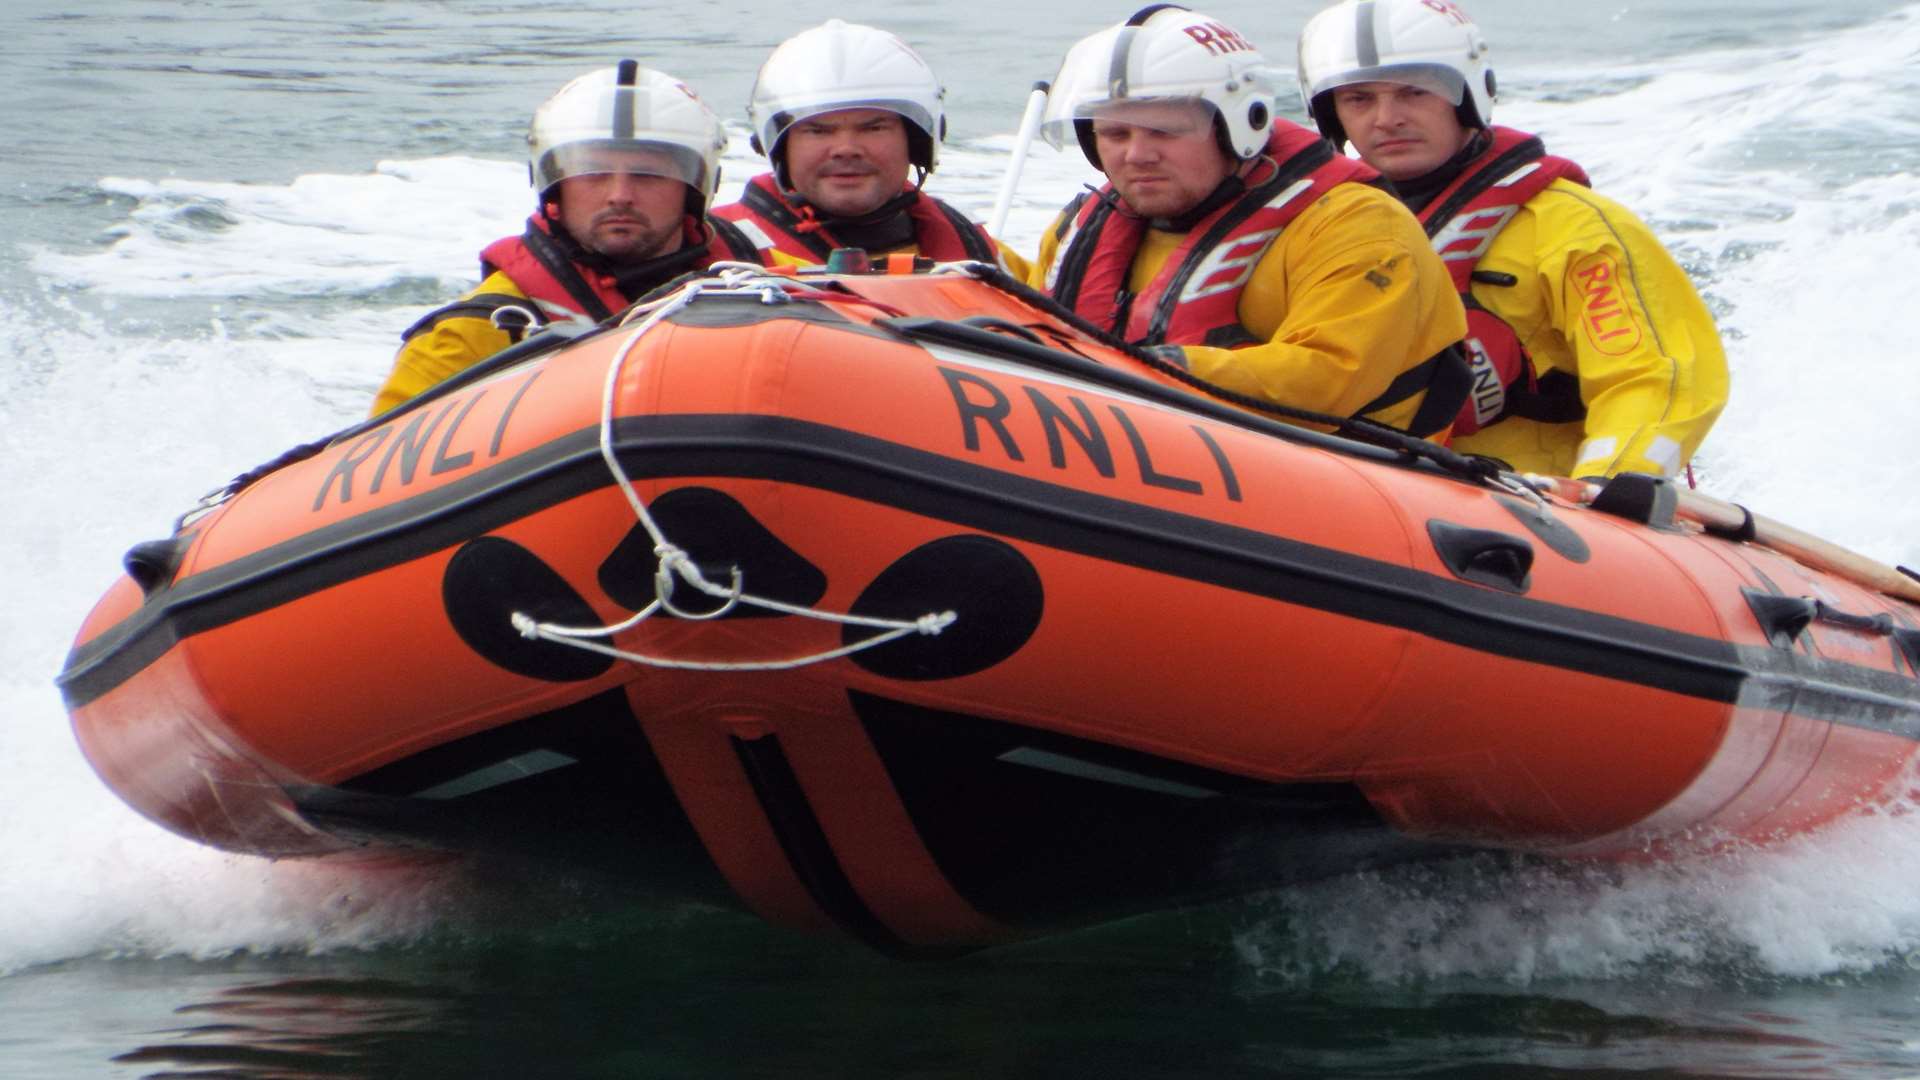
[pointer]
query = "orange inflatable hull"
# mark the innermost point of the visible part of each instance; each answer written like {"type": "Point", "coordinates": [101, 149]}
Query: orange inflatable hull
{"type": "Point", "coordinates": [1193, 652]}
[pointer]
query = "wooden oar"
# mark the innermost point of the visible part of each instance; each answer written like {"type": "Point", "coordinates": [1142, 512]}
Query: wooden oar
{"type": "Point", "coordinates": [1726, 518]}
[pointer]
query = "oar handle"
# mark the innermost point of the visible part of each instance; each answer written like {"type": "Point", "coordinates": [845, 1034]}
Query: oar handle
{"type": "Point", "coordinates": [1029, 126]}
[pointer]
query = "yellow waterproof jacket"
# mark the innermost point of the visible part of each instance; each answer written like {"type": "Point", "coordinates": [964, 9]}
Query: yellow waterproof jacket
{"type": "Point", "coordinates": [1597, 297]}
{"type": "Point", "coordinates": [1348, 298]}
{"type": "Point", "coordinates": [531, 279]}
{"type": "Point", "coordinates": [452, 339]}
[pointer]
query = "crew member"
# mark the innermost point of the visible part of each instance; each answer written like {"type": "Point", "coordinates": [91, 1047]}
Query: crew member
{"type": "Point", "coordinates": [1238, 243]}
{"type": "Point", "coordinates": [625, 161]}
{"type": "Point", "coordinates": [1592, 352]}
{"type": "Point", "coordinates": [844, 113]}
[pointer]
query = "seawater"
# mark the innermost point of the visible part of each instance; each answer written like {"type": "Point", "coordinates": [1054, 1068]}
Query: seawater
{"type": "Point", "coordinates": [219, 215]}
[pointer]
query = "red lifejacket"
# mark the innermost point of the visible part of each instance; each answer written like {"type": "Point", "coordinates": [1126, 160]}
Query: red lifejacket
{"type": "Point", "coordinates": [1195, 297]}
{"type": "Point", "coordinates": [1463, 220]}
{"type": "Point", "coordinates": [566, 290]}
{"type": "Point", "coordinates": [940, 232]}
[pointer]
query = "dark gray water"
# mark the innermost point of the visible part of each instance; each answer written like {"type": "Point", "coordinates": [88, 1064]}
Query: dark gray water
{"type": "Point", "coordinates": [219, 214]}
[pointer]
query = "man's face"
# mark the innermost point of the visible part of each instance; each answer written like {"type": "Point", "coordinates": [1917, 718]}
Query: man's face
{"type": "Point", "coordinates": [846, 163]}
{"type": "Point", "coordinates": [1404, 131]}
{"type": "Point", "coordinates": [1161, 157]}
{"type": "Point", "coordinates": [629, 205]}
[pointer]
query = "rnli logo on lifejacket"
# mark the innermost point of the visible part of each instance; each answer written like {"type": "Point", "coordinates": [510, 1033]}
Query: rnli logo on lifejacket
{"type": "Point", "coordinates": [1489, 393]}
{"type": "Point", "coordinates": [1468, 236]}
{"type": "Point", "coordinates": [1228, 266]}
{"type": "Point", "coordinates": [1606, 320]}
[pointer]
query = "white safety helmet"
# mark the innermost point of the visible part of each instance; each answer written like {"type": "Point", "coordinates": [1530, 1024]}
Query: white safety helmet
{"type": "Point", "coordinates": [1431, 44]}
{"type": "Point", "coordinates": [842, 65]}
{"type": "Point", "coordinates": [594, 122]}
{"type": "Point", "coordinates": [1165, 53]}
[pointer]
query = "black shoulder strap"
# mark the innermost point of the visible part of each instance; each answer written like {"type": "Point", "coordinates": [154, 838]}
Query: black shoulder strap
{"type": "Point", "coordinates": [1529, 149]}
{"type": "Point", "coordinates": [1445, 376]}
{"type": "Point", "coordinates": [733, 239]}
{"type": "Point", "coordinates": [1074, 260]}
{"type": "Point", "coordinates": [1295, 168]}
{"type": "Point", "coordinates": [478, 306]}
{"type": "Point", "coordinates": [556, 263]}
{"type": "Point", "coordinates": [756, 199]}
{"type": "Point", "coordinates": [1554, 400]}
{"type": "Point", "coordinates": [973, 239]}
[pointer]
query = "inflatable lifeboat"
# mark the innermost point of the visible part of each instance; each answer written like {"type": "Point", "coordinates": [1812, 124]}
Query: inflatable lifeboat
{"type": "Point", "coordinates": [901, 604]}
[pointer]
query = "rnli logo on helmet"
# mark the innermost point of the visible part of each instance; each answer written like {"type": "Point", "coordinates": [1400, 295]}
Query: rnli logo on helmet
{"type": "Point", "coordinates": [1228, 266]}
{"type": "Point", "coordinates": [1607, 321]}
{"type": "Point", "coordinates": [1450, 10]}
{"type": "Point", "coordinates": [1218, 39]}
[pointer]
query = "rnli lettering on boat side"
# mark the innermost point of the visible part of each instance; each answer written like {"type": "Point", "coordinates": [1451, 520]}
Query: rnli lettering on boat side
{"type": "Point", "coordinates": [444, 435]}
{"type": "Point", "coordinates": [989, 417]}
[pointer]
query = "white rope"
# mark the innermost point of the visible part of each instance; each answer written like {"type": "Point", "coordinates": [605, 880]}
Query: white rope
{"type": "Point", "coordinates": [926, 624]}
{"type": "Point", "coordinates": [674, 565]}
{"type": "Point", "coordinates": [1514, 484]}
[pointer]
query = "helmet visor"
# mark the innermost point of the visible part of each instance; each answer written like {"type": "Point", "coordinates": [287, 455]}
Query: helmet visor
{"type": "Point", "coordinates": [601, 157]}
{"type": "Point", "coordinates": [1166, 115]}
{"type": "Point", "coordinates": [910, 111]}
{"type": "Point", "coordinates": [1433, 78]}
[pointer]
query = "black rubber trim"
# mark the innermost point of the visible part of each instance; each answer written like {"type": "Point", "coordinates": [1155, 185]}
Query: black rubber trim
{"type": "Point", "coordinates": [805, 842]}
{"type": "Point", "coordinates": [1553, 532]}
{"type": "Point", "coordinates": [1484, 556]}
{"type": "Point", "coordinates": [989, 500]}
{"type": "Point", "coordinates": [1745, 532]}
{"type": "Point", "coordinates": [1782, 618]}
{"type": "Point", "coordinates": [1908, 642]}
{"type": "Point", "coordinates": [1638, 497]}
{"type": "Point", "coordinates": [1042, 848]}
{"type": "Point", "coordinates": [152, 563]}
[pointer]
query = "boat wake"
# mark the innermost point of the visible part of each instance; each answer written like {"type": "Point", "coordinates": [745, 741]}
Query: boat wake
{"type": "Point", "coordinates": [1836, 904]}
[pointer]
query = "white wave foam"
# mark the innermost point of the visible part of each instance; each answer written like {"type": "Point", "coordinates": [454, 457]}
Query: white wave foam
{"type": "Point", "coordinates": [1836, 903]}
{"type": "Point", "coordinates": [327, 234]}
{"type": "Point", "coordinates": [108, 441]}
{"type": "Point", "coordinates": [320, 235]}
